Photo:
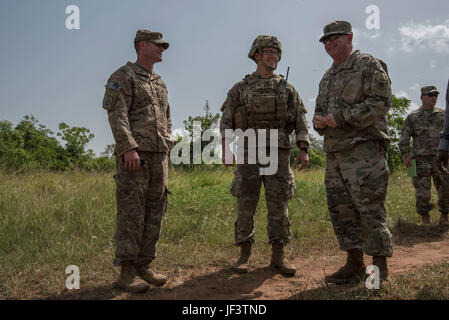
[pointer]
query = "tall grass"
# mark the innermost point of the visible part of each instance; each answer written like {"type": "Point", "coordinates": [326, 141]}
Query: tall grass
{"type": "Point", "coordinates": [51, 220]}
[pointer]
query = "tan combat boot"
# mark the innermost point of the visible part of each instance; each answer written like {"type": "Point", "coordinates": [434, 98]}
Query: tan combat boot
{"type": "Point", "coordinates": [150, 276]}
{"type": "Point", "coordinates": [353, 271]}
{"type": "Point", "coordinates": [381, 263]}
{"type": "Point", "coordinates": [129, 280]}
{"type": "Point", "coordinates": [443, 219]}
{"type": "Point", "coordinates": [242, 265]}
{"type": "Point", "coordinates": [426, 219]}
{"type": "Point", "coordinates": [278, 261]}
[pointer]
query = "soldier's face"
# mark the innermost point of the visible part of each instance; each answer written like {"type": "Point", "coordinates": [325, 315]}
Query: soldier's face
{"type": "Point", "coordinates": [429, 101]}
{"type": "Point", "coordinates": [269, 57]}
{"type": "Point", "coordinates": [152, 52]}
{"type": "Point", "coordinates": [338, 46]}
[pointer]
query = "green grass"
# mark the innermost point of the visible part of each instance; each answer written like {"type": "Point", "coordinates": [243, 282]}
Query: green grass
{"type": "Point", "coordinates": [429, 282]}
{"type": "Point", "coordinates": [51, 220]}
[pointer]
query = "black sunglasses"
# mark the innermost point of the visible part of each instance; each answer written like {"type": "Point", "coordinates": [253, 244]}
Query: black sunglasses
{"type": "Point", "coordinates": [432, 95]}
{"type": "Point", "coordinates": [332, 37]}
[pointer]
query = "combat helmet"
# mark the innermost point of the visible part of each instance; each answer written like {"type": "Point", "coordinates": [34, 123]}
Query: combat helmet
{"type": "Point", "coordinates": [262, 42]}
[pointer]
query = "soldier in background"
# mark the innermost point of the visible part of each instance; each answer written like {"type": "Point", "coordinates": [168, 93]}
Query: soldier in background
{"type": "Point", "coordinates": [443, 149]}
{"type": "Point", "coordinates": [263, 100]}
{"type": "Point", "coordinates": [351, 107]}
{"type": "Point", "coordinates": [424, 126]}
{"type": "Point", "coordinates": [139, 116]}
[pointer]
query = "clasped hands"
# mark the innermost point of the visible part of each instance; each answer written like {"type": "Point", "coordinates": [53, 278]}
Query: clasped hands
{"type": "Point", "coordinates": [322, 122]}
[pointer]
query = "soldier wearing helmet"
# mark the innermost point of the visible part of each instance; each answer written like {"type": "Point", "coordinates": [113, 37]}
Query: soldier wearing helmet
{"type": "Point", "coordinates": [264, 100]}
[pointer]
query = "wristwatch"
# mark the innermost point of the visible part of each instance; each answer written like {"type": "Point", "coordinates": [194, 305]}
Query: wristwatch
{"type": "Point", "coordinates": [305, 149]}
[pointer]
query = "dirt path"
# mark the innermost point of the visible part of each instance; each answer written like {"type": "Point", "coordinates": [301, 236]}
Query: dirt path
{"type": "Point", "coordinates": [262, 283]}
{"type": "Point", "coordinates": [411, 252]}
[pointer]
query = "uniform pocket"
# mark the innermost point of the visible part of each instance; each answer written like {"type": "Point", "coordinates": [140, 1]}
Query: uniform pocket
{"type": "Point", "coordinates": [352, 90]}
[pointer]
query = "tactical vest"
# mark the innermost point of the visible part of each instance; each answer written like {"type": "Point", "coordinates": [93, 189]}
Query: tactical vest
{"type": "Point", "coordinates": [265, 104]}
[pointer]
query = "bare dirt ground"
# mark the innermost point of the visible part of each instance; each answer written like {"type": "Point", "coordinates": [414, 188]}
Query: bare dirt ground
{"type": "Point", "coordinates": [415, 246]}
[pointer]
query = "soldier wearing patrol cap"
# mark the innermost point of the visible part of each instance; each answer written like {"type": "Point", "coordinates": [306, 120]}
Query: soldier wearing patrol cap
{"type": "Point", "coordinates": [424, 126]}
{"type": "Point", "coordinates": [264, 100]}
{"type": "Point", "coordinates": [443, 149]}
{"type": "Point", "coordinates": [139, 116]}
{"type": "Point", "coordinates": [351, 107]}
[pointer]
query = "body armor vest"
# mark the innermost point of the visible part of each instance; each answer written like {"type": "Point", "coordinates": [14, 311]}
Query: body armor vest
{"type": "Point", "coordinates": [265, 104]}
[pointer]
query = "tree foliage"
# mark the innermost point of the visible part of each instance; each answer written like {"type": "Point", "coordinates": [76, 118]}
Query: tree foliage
{"type": "Point", "coordinates": [31, 145]}
{"type": "Point", "coordinates": [208, 122]}
{"type": "Point", "coordinates": [395, 120]}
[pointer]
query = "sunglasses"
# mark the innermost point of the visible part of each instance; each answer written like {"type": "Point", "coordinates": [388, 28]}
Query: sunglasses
{"type": "Point", "coordinates": [432, 95]}
{"type": "Point", "coordinates": [271, 53]}
{"type": "Point", "coordinates": [332, 38]}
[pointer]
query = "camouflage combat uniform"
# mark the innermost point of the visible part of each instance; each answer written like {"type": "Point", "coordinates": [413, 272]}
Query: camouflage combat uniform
{"type": "Point", "coordinates": [424, 127]}
{"type": "Point", "coordinates": [279, 108]}
{"type": "Point", "coordinates": [139, 116]}
{"type": "Point", "coordinates": [444, 138]}
{"type": "Point", "coordinates": [358, 93]}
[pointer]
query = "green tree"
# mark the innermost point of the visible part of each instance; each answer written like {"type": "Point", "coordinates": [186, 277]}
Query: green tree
{"type": "Point", "coordinates": [76, 140]}
{"type": "Point", "coordinates": [42, 149]}
{"type": "Point", "coordinates": [317, 157]}
{"type": "Point", "coordinates": [12, 153]}
{"type": "Point", "coordinates": [208, 122]}
{"type": "Point", "coordinates": [109, 151]}
{"type": "Point", "coordinates": [395, 119]}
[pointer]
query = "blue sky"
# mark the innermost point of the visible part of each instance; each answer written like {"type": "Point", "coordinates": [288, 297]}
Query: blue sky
{"type": "Point", "coordinates": [58, 75]}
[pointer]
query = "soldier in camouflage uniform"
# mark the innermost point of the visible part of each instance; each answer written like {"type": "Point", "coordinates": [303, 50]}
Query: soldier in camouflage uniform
{"type": "Point", "coordinates": [263, 100]}
{"type": "Point", "coordinates": [443, 149]}
{"type": "Point", "coordinates": [139, 116]}
{"type": "Point", "coordinates": [424, 126]}
{"type": "Point", "coordinates": [353, 100]}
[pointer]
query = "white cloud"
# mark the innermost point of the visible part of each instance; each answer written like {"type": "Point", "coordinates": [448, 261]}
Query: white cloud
{"type": "Point", "coordinates": [401, 94]}
{"type": "Point", "coordinates": [433, 64]}
{"type": "Point", "coordinates": [425, 35]}
{"type": "Point", "coordinates": [364, 34]}
{"type": "Point", "coordinates": [415, 88]}
{"type": "Point", "coordinates": [414, 106]}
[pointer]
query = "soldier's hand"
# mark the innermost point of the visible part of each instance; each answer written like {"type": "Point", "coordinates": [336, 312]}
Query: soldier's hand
{"type": "Point", "coordinates": [330, 120]}
{"type": "Point", "coordinates": [442, 158]}
{"type": "Point", "coordinates": [408, 162]}
{"type": "Point", "coordinates": [302, 157]}
{"type": "Point", "coordinates": [319, 122]}
{"type": "Point", "coordinates": [132, 160]}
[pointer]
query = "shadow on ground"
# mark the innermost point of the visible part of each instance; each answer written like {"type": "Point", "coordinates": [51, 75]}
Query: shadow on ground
{"type": "Point", "coordinates": [223, 284]}
{"type": "Point", "coordinates": [408, 234]}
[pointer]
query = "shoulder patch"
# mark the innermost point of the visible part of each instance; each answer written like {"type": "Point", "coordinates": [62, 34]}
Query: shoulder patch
{"type": "Point", "coordinates": [111, 95]}
{"type": "Point", "coordinates": [112, 85]}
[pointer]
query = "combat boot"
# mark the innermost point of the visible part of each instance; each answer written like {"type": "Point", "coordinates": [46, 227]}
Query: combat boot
{"type": "Point", "coordinates": [278, 262]}
{"type": "Point", "coordinates": [443, 219]}
{"type": "Point", "coordinates": [426, 219]}
{"type": "Point", "coordinates": [129, 280]}
{"type": "Point", "coordinates": [242, 265]}
{"type": "Point", "coordinates": [150, 276]}
{"type": "Point", "coordinates": [381, 263]}
{"type": "Point", "coordinates": [353, 271]}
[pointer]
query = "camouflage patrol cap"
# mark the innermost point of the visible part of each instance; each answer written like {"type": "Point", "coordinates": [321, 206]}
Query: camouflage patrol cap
{"type": "Point", "coordinates": [428, 89]}
{"type": "Point", "coordinates": [147, 35]}
{"type": "Point", "coordinates": [264, 41]}
{"type": "Point", "coordinates": [336, 27]}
